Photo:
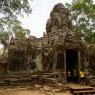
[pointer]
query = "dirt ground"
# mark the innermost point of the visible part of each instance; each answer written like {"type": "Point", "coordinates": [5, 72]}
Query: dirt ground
{"type": "Point", "coordinates": [27, 92]}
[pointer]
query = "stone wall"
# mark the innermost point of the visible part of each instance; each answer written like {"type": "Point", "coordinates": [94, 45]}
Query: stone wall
{"type": "Point", "coordinates": [3, 66]}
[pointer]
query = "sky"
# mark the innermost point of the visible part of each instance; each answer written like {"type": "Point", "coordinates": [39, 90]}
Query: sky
{"type": "Point", "coordinates": [41, 9]}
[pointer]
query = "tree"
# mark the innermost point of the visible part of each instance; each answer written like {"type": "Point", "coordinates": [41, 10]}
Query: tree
{"type": "Point", "coordinates": [18, 31]}
{"type": "Point", "coordinates": [14, 7]}
{"type": "Point", "coordinates": [11, 27]}
{"type": "Point", "coordinates": [83, 19]}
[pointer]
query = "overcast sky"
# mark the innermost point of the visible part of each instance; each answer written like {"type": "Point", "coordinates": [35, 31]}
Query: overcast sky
{"type": "Point", "coordinates": [41, 9]}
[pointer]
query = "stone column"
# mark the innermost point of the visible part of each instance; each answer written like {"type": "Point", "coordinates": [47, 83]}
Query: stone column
{"type": "Point", "coordinates": [54, 61]}
{"type": "Point", "coordinates": [39, 62]}
{"type": "Point", "coordinates": [79, 61]}
{"type": "Point", "coordinates": [28, 63]}
{"type": "Point", "coordinates": [65, 66]}
{"type": "Point", "coordinates": [85, 62]}
{"type": "Point", "coordinates": [7, 71]}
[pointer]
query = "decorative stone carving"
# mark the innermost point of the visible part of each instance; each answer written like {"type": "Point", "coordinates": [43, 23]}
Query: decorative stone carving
{"type": "Point", "coordinates": [59, 19]}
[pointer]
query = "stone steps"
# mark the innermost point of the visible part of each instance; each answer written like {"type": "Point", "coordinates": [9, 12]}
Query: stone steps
{"type": "Point", "coordinates": [83, 90]}
{"type": "Point", "coordinates": [27, 79]}
{"type": "Point", "coordinates": [87, 92]}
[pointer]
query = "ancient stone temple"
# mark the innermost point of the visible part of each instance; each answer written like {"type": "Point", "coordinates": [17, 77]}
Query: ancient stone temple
{"type": "Point", "coordinates": [59, 50]}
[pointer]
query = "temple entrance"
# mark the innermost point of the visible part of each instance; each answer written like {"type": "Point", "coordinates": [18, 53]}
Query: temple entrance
{"type": "Point", "coordinates": [72, 65]}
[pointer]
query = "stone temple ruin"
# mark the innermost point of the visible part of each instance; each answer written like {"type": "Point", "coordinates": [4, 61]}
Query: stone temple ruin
{"type": "Point", "coordinates": [59, 52]}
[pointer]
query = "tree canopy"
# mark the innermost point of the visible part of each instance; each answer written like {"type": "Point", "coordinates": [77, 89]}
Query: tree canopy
{"type": "Point", "coordinates": [11, 28]}
{"type": "Point", "coordinates": [83, 19]}
{"type": "Point", "coordinates": [9, 24]}
{"type": "Point", "coordinates": [14, 7]}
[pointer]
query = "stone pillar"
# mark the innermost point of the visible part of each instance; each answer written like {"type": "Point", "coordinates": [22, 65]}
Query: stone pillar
{"type": "Point", "coordinates": [79, 61]}
{"type": "Point", "coordinates": [28, 63]}
{"type": "Point", "coordinates": [54, 61]}
{"type": "Point", "coordinates": [65, 66]}
{"type": "Point", "coordinates": [85, 62]}
{"type": "Point", "coordinates": [7, 67]}
{"type": "Point", "coordinates": [39, 62]}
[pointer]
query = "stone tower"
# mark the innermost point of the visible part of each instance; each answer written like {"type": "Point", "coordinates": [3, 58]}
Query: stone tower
{"type": "Point", "coordinates": [59, 20]}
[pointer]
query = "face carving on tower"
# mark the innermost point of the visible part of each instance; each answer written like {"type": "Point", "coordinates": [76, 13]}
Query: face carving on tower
{"type": "Point", "coordinates": [60, 8]}
{"type": "Point", "coordinates": [59, 19]}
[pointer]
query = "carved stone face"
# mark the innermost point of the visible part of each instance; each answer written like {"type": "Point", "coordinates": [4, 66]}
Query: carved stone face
{"type": "Point", "coordinates": [59, 19]}
{"type": "Point", "coordinates": [59, 8]}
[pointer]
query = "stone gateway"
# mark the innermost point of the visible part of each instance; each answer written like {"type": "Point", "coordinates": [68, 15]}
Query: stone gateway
{"type": "Point", "coordinates": [59, 51]}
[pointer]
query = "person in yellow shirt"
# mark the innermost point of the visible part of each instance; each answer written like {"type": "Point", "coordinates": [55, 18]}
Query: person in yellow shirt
{"type": "Point", "coordinates": [82, 77]}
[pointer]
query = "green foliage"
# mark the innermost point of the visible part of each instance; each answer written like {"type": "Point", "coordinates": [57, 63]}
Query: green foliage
{"type": "Point", "coordinates": [20, 32]}
{"type": "Point", "coordinates": [11, 27]}
{"type": "Point", "coordinates": [14, 7]}
{"type": "Point", "coordinates": [83, 19]}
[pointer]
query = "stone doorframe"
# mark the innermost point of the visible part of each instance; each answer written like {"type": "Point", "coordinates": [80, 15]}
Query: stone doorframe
{"type": "Point", "coordinates": [55, 62]}
{"type": "Point", "coordinates": [79, 63]}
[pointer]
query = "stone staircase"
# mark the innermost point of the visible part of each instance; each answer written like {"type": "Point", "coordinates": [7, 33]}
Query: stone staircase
{"type": "Point", "coordinates": [82, 90]}
{"type": "Point", "coordinates": [29, 79]}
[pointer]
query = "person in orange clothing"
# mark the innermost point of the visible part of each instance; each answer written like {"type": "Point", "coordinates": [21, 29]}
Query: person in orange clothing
{"type": "Point", "coordinates": [82, 77]}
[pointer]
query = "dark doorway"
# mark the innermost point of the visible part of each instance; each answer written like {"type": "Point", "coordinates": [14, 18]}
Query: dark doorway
{"type": "Point", "coordinates": [72, 65]}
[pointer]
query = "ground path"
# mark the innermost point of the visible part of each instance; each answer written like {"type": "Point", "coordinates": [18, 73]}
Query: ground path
{"type": "Point", "coordinates": [27, 92]}
{"type": "Point", "coordinates": [30, 91]}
